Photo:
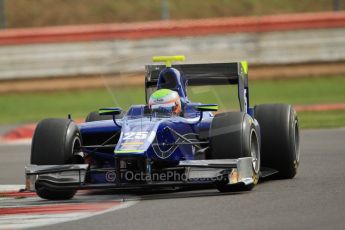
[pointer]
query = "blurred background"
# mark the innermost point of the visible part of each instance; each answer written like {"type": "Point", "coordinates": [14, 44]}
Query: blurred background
{"type": "Point", "coordinates": [60, 57]}
{"type": "Point", "coordinates": [38, 13]}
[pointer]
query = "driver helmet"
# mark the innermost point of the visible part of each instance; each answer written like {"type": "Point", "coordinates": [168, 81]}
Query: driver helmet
{"type": "Point", "coordinates": [165, 100]}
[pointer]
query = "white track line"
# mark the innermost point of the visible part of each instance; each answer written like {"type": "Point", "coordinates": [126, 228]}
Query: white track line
{"type": "Point", "coordinates": [31, 221]}
{"type": "Point", "coordinates": [22, 221]}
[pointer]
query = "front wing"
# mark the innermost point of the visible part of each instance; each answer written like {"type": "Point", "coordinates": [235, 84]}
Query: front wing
{"type": "Point", "coordinates": [197, 172]}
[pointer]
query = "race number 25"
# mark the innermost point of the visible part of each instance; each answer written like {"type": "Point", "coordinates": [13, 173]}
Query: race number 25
{"type": "Point", "coordinates": [135, 136]}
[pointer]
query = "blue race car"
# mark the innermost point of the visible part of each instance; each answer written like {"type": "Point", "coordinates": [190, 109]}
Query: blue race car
{"type": "Point", "coordinates": [168, 142]}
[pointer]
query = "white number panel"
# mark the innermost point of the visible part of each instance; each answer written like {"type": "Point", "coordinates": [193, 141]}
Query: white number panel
{"type": "Point", "coordinates": [135, 136]}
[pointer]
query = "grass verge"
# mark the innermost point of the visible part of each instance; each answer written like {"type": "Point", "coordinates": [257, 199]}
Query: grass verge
{"type": "Point", "coordinates": [324, 119]}
{"type": "Point", "coordinates": [31, 107]}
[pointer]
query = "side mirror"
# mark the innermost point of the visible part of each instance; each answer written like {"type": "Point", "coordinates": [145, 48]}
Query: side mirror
{"type": "Point", "coordinates": [110, 111]}
{"type": "Point", "coordinates": [206, 107]}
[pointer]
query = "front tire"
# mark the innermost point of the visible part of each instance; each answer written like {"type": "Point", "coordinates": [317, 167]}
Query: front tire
{"type": "Point", "coordinates": [55, 142]}
{"type": "Point", "coordinates": [49, 194]}
{"type": "Point", "coordinates": [233, 135]}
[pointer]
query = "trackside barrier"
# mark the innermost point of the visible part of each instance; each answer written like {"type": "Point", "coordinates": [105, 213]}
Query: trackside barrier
{"type": "Point", "coordinates": [116, 48]}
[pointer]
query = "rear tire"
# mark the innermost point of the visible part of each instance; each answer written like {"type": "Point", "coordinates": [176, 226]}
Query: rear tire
{"type": "Point", "coordinates": [55, 142]}
{"type": "Point", "coordinates": [233, 135]}
{"type": "Point", "coordinates": [94, 116]}
{"type": "Point", "coordinates": [279, 138]}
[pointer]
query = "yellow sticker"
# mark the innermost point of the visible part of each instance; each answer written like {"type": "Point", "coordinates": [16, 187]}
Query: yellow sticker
{"type": "Point", "coordinates": [133, 143]}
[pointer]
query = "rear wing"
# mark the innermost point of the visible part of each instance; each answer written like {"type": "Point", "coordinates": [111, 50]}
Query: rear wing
{"type": "Point", "coordinates": [206, 74]}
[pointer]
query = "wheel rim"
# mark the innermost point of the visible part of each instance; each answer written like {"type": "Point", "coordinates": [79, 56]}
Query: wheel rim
{"type": "Point", "coordinates": [77, 154]}
{"type": "Point", "coordinates": [296, 138]}
{"type": "Point", "coordinates": [255, 151]}
{"type": "Point", "coordinates": [76, 147]}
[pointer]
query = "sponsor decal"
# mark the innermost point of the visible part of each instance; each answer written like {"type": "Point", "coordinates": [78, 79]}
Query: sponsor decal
{"type": "Point", "coordinates": [245, 99]}
{"type": "Point", "coordinates": [133, 143]}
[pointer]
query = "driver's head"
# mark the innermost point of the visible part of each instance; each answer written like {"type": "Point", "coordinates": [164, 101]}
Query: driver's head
{"type": "Point", "coordinates": [165, 100]}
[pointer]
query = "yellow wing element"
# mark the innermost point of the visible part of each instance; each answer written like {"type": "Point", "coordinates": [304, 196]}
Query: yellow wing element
{"type": "Point", "coordinates": [168, 60]}
{"type": "Point", "coordinates": [245, 66]}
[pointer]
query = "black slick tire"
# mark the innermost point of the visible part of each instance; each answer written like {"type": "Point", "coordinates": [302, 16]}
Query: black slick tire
{"type": "Point", "coordinates": [279, 138]}
{"type": "Point", "coordinates": [233, 135]}
{"type": "Point", "coordinates": [55, 142]}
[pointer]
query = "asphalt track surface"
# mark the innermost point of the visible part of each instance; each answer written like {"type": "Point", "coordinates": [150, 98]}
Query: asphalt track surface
{"type": "Point", "coordinates": [315, 199]}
